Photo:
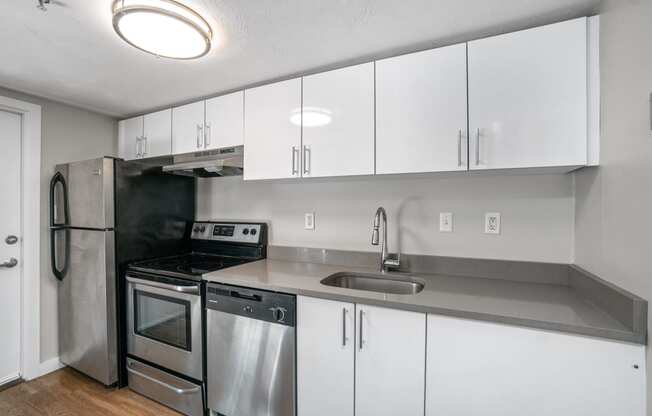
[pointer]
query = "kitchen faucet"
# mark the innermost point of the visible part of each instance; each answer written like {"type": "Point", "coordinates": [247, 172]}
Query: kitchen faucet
{"type": "Point", "coordinates": [386, 262]}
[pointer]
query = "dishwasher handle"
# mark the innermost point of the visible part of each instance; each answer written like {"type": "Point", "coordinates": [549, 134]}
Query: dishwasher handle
{"type": "Point", "coordinates": [263, 305]}
{"type": "Point", "coordinates": [248, 296]}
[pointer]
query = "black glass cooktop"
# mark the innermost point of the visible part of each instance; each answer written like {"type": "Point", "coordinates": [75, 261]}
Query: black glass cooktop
{"type": "Point", "coordinates": [191, 265]}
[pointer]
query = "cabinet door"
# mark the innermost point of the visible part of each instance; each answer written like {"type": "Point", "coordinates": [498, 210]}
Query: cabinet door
{"type": "Point", "coordinates": [130, 133]}
{"type": "Point", "coordinates": [158, 134]}
{"type": "Point", "coordinates": [273, 131]}
{"type": "Point", "coordinates": [338, 122]}
{"type": "Point", "coordinates": [188, 128]}
{"type": "Point", "coordinates": [325, 357]}
{"type": "Point", "coordinates": [390, 362]}
{"type": "Point", "coordinates": [421, 112]}
{"type": "Point", "coordinates": [528, 98]}
{"type": "Point", "coordinates": [480, 368]}
{"type": "Point", "coordinates": [225, 121]}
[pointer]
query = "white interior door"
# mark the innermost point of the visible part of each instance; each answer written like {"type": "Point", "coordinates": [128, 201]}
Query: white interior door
{"type": "Point", "coordinates": [10, 226]}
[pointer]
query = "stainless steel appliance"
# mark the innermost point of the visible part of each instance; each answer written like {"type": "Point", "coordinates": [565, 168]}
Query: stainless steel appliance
{"type": "Point", "coordinates": [164, 312]}
{"type": "Point", "coordinates": [101, 214]}
{"type": "Point", "coordinates": [251, 351]}
{"type": "Point", "coordinates": [82, 243]}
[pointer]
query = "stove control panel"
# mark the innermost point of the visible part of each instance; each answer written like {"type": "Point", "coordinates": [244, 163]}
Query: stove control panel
{"type": "Point", "coordinates": [230, 232]}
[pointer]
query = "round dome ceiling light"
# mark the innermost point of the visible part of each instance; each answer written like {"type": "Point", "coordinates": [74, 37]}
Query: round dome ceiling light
{"type": "Point", "coordinates": [163, 28]}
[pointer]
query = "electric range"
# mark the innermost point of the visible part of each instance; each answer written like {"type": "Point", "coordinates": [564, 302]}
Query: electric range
{"type": "Point", "coordinates": [164, 312]}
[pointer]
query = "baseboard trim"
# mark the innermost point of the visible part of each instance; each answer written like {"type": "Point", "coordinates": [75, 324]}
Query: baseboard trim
{"type": "Point", "coordinates": [9, 379]}
{"type": "Point", "coordinates": [46, 367]}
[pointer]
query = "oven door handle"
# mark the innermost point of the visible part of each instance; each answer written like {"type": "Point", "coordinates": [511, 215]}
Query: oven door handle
{"type": "Point", "coordinates": [191, 290]}
{"type": "Point", "coordinates": [163, 384]}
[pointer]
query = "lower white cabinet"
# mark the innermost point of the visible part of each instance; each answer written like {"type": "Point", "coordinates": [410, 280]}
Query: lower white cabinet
{"type": "Point", "coordinates": [482, 368]}
{"type": "Point", "coordinates": [376, 354]}
{"type": "Point", "coordinates": [325, 357]}
{"type": "Point", "coordinates": [390, 362]}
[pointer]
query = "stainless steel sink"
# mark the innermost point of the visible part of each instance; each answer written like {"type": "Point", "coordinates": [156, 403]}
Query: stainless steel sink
{"type": "Point", "coordinates": [394, 284]}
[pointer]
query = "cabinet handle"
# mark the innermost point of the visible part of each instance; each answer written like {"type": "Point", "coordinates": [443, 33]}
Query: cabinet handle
{"type": "Point", "coordinates": [137, 147]}
{"type": "Point", "coordinates": [361, 339]}
{"type": "Point", "coordinates": [295, 154]}
{"type": "Point", "coordinates": [477, 148]}
{"type": "Point", "coordinates": [344, 327]}
{"type": "Point", "coordinates": [144, 151]}
{"type": "Point", "coordinates": [459, 148]}
{"type": "Point", "coordinates": [207, 135]}
{"type": "Point", "coordinates": [307, 154]}
{"type": "Point", "coordinates": [199, 134]}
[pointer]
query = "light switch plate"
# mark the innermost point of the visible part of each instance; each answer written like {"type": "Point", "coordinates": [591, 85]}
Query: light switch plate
{"type": "Point", "coordinates": [309, 221]}
{"type": "Point", "coordinates": [445, 222]}
{"type": "Point", "coordinates": [492, 223]}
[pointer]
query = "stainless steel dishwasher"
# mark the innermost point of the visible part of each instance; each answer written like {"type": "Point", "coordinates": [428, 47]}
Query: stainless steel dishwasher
{"type": "Point", "coordinates": [250, 351]}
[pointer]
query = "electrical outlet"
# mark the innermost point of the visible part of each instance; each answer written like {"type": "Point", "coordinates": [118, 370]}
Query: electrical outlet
{"type": "Point", "coordinates": [309, 221]}
{"type": "Point", "coordinates": [445, 222]}
{"type": "Point", "coordinates": [492, 223]}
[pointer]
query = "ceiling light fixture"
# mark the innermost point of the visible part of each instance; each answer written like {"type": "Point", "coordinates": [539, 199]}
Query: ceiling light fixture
{"type": "Point", "coordinates": [163, 28]}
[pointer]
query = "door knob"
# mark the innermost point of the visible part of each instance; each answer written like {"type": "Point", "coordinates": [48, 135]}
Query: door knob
{"type": "Point", "coordinates": [9, 264]}
{"type": "Point", "coordinates": [11, 239]}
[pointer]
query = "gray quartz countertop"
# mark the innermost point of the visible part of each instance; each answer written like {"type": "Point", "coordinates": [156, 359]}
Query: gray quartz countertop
{"type": "Point", "coordinates": [538, 305]}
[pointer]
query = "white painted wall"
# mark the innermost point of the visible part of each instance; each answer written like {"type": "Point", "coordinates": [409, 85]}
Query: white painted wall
{"type": "Point", "coordinates": [68, 134]}
{"type": "Point", "coordinates": [537, 212]}
{"type": "Point", "coordinates": [614, 201]}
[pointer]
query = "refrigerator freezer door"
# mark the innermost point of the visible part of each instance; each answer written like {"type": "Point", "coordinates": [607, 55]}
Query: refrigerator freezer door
{"type": "Point", "coordinates": [87, 306]}
{"type": "Point", "coordinates": [90, 194]}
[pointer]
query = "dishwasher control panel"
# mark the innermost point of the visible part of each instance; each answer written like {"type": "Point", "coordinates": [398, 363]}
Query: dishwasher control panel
{"type": "Point", "coordinates": [278, 308]}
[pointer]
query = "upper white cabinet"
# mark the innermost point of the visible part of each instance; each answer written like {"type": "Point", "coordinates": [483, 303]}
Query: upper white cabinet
{"type": "Point", "coordinates": [390, 362]}
{"type": "Point", "coordinates": [157, 134]}
{"type": "Point", "coordinates": [528, 98]}
{"type": "Point", "coordinates": [481, 368]}
{"type": "Point", "coordinates": [188, 128]}
{"type": "Point", "coordinates": [273, 131]}
{"type": "Point", "coordinates": [325, 357]}
{"type": "Point", "coordinates": [421, 112]}
{"type": "Point", "coordinates": [130, 136]}
{"type": "Point", "coordinates": [224, 124]}
{"type": "Point", "coordinates": [338, 122]}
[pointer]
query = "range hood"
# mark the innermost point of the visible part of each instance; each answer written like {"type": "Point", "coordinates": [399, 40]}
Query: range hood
{"type": "Point", "coordinates": [226, 161]}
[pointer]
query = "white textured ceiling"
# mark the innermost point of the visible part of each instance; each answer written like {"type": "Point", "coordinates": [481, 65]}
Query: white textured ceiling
{"type": "Point", "coordinates": [71, 53]}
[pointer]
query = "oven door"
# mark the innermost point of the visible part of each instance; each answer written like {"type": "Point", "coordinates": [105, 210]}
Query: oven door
{"type": "Point", "coordinates": [164, 323]}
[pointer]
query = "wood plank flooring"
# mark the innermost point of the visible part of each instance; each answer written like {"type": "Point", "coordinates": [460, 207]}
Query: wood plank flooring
{"type": "Point", "coordinates": [69, 393]}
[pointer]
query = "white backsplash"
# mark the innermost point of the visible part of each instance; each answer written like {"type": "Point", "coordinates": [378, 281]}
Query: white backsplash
{"type": "Point", "coordinates": [537, 212]}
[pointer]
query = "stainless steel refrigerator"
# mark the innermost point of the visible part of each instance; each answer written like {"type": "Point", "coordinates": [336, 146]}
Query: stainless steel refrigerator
{"type": "Point", "coordinates": [83, 259]}
{"type": "Point", "coordinates": [105, 213]}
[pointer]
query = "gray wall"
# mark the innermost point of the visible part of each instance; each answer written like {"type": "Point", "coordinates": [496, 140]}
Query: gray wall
{"type": "Point", "coordinates": [537, 212]}
{"type": "Point", "coordinates": [614, 201]}
{"type": "Point", "coordinates": [68, 134]}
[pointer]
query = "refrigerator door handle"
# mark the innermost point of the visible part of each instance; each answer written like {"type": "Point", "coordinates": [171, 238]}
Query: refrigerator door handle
{"type": "Point", "coordinates": [59, 273]}
{"type": "Point", "coordinates": [58, 179]}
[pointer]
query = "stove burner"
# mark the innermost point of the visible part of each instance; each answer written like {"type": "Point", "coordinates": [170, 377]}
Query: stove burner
{"type": "Point", "coordinates": [193, 264]}
{"type": "Point", "coordinates": [200, 267]}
